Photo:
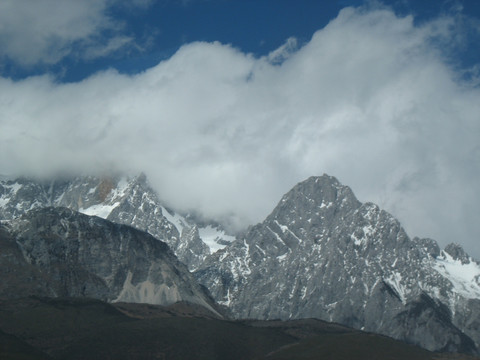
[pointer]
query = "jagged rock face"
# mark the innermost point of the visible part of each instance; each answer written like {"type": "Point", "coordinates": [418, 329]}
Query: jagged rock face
{"type": "Point", "coordinates": [19, 196]}
{"type": "Point", "coordinates": [190, 248]}
{"type": "Point", "coordinates": [60, 252]}
{"type": "Point", "coordinates": [122, 200]}
{"type": "Point", "coordinates": [133, 202]}
{"type": "Point", "coordinates": [457, 253]}
{"type": "Point", "coordinates": [321, 253]}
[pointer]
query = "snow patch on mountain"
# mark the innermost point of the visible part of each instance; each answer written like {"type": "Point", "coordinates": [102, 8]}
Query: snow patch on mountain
{"type": "Point", "coordinates": [177, 220]}
{"type": "Point", "coordinates": [3, 200]}
{"type": "Point", "coordinates": [13, 187]}
{"type": "Point", "coordinates": [100, 210]}
{"type": "Point", "coordinates": [465, 278]}
{"type": "Point", "coordinates": [11, 191]}
{"type": "Point", "coordinates": [112, 200]}
{"type": "Point", "coordinates": [122, 187]}
{"type": "Point", "coordinates": [215, 238]}
{"type": "Point", "coordinates": [395, 281]}
{"type": "Point", "coordinates": [326, 205]}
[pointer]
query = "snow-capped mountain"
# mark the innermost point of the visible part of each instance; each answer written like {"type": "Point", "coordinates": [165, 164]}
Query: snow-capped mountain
{"type": "Point", "coordinates": [321, 253]}
{"type": "Point", "coordinates": [123, 200]}
{"type": "Point", "coordinates": [59, 252]}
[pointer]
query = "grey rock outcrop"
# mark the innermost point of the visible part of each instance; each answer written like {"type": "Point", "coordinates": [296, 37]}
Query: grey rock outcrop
{"type": "Point", "coordinates": [457, 253]}
{"type": "Point", "coordinates": [19, 196]}
{"type": "Point", "coordinates": [59, 252]}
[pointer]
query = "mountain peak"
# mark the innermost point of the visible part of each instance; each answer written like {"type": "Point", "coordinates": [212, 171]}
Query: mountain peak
{"type": "Point", "coordinates": [323, 185]}
{"type": "Point", "coordinates": [324, 177]}
{"type": "Point", "coordinates": [457, 253]}
{"type": "Point", "coordinates": [324, 180]}
{"type": "Point", "coordinates": [323, 254]}
{"type": "Point", "coordinates": [141, 179]}
{"type": "Point", "coordinates": [315, 194]}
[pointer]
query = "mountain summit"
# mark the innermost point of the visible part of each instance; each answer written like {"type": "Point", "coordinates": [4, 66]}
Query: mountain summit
{"type": "Point", "coordinates": [321, 253]}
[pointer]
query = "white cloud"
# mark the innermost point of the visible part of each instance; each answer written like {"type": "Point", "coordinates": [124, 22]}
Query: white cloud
{"type": "Point", "coordinates": [106, 48]}
{"type": "Point", "coordinates": [368, 99]}
{"type": "Point", "coordinates": [45, 31]}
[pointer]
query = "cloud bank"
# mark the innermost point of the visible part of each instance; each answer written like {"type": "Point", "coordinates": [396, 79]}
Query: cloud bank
{"type": "Point", "coordinates": [369, 99]}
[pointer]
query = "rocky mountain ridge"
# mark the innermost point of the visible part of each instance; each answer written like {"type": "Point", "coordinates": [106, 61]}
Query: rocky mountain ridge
{"type": "Point", "coordinates": [58, 252]}
{"type": "Point", "coordinates": [122, 200]}
{"type": "Point", "coordinates": [323, 254]}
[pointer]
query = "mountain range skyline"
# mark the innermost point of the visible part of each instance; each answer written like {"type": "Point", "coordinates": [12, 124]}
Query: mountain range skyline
{"type": "Point", "coordinates": [321, 253]}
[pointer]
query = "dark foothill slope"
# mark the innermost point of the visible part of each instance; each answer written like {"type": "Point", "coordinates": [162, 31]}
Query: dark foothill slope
{"type": "Point", "coordinates": [73, 328]}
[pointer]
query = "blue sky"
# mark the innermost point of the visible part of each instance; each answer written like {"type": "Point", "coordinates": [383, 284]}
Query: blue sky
{"type": "Point", "coordinates": [155, 30]}
{"type": "Point", "coordinates": [225, 105]}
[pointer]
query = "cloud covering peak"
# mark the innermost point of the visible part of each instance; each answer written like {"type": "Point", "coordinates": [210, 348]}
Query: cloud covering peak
{"type": "Point", "coordinates": [370, 99]}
